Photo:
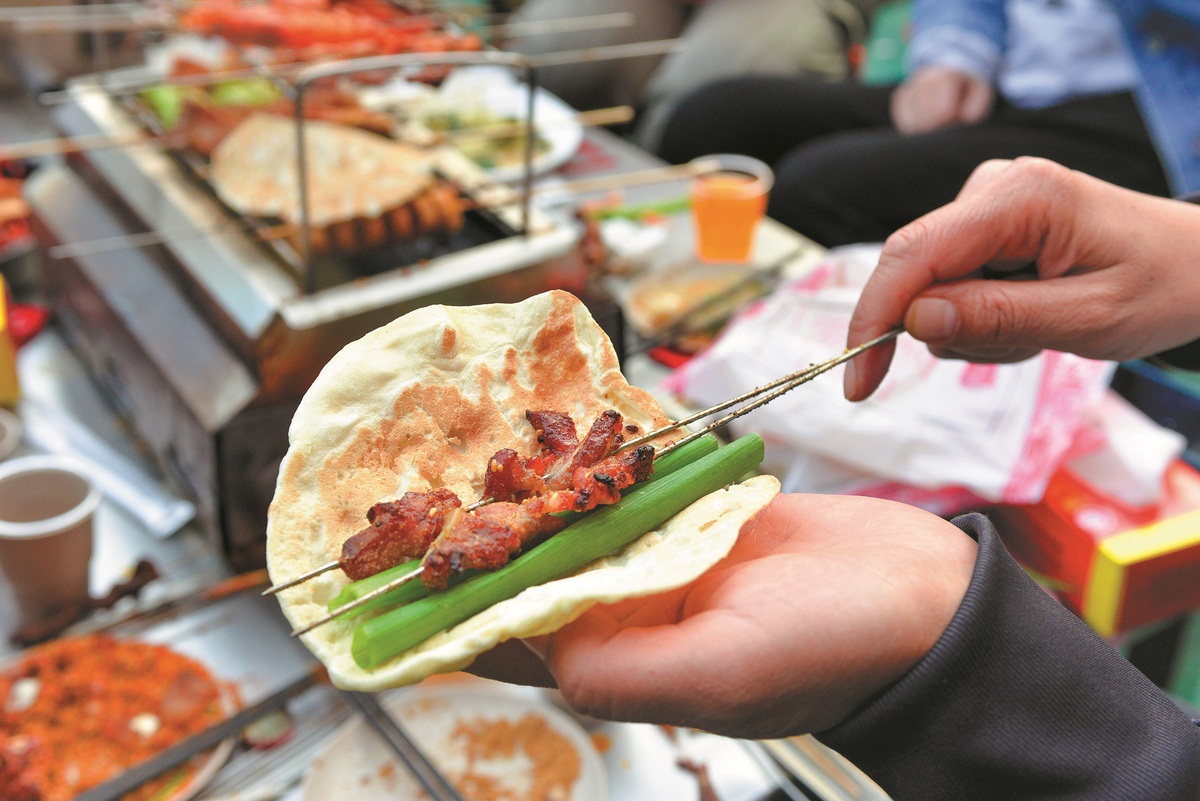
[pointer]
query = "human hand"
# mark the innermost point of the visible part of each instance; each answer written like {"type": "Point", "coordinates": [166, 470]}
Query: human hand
{"type": "Point", "coordinates": [1116, 273]}
{"type": "Point", "coordinates": [823, 601]}
{"type": "Point", "coordinates": [937, 97]}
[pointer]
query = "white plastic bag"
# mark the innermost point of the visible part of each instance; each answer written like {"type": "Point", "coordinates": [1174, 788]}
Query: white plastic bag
{"type": "Point", "coordinates": [998, 431]}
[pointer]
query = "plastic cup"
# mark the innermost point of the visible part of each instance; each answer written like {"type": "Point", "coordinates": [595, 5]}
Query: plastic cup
{"type": "Point", "coordinates": [727, 205]}
{"type": "Point", "coordinates": [47, 504]}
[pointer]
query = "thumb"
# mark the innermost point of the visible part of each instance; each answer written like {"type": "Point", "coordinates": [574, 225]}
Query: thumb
{"type": "Point", "coordinates": [1004, 321]}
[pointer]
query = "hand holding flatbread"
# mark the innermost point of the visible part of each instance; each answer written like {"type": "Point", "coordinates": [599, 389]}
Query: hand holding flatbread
{"type": "Point", "coordinates": [422, 403]}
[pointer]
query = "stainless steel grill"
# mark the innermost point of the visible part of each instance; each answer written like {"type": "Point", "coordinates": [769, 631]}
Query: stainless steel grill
{"type": "Point", "coordinates": [208, 337]}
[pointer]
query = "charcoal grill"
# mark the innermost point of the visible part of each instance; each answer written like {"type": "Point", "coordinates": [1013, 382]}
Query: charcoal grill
{"type": "Point", "coordinates": [207, 337]}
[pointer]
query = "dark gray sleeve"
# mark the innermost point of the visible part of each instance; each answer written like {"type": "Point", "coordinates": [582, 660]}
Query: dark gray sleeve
{"type": "Point", "coordinates": [1020, 700]}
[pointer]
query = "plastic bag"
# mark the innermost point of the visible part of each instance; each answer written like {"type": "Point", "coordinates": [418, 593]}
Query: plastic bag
{"type": "Point", "coordinates": [995, 431]}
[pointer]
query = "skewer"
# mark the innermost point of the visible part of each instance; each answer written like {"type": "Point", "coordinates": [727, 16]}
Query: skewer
{"type": "Point", "coordinates": [370, 596]}
{"type": "Point", "coordinates": [91, 247]}
{"type": "Point", "coordinates": [784, 386]}
{"type": "Point", "coordinates": [768, 393]}
{"type": "Point", "coordinates": [110, 84]}
{"type": "Point", "coordinates": [67, 145]}
{"type": "Point", "coordinates": [698, 316]}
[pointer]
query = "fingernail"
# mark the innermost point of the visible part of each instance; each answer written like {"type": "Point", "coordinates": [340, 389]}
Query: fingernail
{"type": "Point", "coordinates": [932, 319]}
{"type": "Point", "coordinates": [850, 380]}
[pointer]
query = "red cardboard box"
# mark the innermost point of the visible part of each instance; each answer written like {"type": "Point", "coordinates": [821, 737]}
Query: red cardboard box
{"type": "Point", "coordinates": [1117, 567]}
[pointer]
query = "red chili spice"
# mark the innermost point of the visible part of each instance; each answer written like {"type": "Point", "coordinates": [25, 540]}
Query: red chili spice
{"type": "Point", "coordinates": [77, 712]}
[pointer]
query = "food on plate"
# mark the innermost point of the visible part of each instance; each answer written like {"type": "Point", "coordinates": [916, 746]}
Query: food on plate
{"type": "Point", "coordinates": [489, 742]}
{"type": "Point", "coordinates": [423, 404]}
{"type": "Point", "coordinates": [311, 28]}
{"type": "Point", "coordinates": [487, 138]}
{"type": "Point", "coordinates": [707, 295]}
{"type": "Point", "coordinates": [364, 190]}
{"type": "Point", "coordinates": [77, 712]}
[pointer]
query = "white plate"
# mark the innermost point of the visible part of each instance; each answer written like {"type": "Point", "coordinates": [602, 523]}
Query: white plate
{"type": "Point", "coordinates": [355, 764]}
{"type": "Point", "coordinates": [499, 92]}
{"type": "Point", "coordinates": [555, 122]}
{"type": "Point", "coordinates": [209, 763]}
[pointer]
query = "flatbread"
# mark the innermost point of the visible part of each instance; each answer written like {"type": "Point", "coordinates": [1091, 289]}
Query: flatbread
{"type": "Point", "coordinates": [422, 403]}
{"type": "Point", "coordinates": [352, 173]}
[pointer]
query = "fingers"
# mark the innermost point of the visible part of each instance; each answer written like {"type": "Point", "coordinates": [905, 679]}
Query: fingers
{"type": "Point", "coordinates": [976, 102]}
{"type": "Point", "coordinates": [640, 674]}
{"type": "Point", "coordinates": [1006, 321]}
{"type": "Point", "coordinates": [935, 97]}
{"type": "Point", "coordinates": [1002, 214]}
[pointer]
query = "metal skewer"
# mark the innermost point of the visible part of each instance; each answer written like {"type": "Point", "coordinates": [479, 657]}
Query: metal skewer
{"type": "Point", "coordinates": [783, 384]}
{"type": "Point", "coordinates": [760, 395]}
{"type": "Point", "coordinates": [357, 602]}
{"type": "Point", "coordinates": [90, 247]}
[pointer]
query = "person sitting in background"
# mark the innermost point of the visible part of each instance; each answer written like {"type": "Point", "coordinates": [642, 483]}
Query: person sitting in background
{"type": "Point", "coordinates": [720, 38]}
{"type": "Point", "coordinates": [1102, 86]}
{"type": "Point", "coordinates": [913, 645]}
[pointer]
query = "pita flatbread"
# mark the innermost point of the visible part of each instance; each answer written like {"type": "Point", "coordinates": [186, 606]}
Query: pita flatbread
{"type": "Point", "coordinates": [352, 173]}
{"type": "Point", "coordinates": [423, 403]}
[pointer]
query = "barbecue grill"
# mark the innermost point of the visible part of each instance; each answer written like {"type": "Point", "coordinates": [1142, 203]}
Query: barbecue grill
{"type": "Point", "coordinates": [205, 333]}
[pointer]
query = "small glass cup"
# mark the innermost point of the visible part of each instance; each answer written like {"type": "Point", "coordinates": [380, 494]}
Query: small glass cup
{"type": "Point", "coordinates": [46, 508]}
{"type": "Point", "coordinates": [728, 200]}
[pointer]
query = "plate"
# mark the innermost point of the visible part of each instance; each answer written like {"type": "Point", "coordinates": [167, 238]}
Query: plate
{"type": "Point", "coordinates": [496, 92]}
{"type": "Point", "coordinates": [17, 697]}
{"type": "Point", "coordinates": [554, 121]}
{"type": "Point", "coordinates": [463, 731]}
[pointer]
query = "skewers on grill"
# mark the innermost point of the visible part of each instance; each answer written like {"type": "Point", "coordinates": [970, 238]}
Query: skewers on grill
{"type": "Point", "coordinates": [644, 454]}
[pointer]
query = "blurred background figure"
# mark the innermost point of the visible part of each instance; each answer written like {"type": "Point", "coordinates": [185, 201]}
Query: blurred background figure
{"type": "Point", "coordinates": [1101, 87]}
{"type": "Point", "coordinates": [721, 38]}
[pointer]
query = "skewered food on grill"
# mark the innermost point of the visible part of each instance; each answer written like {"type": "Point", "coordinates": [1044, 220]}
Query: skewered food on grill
{"type": "Point", "coordinates": [364, 190]}
{"type": "Point", "coordinates": [344, 28]}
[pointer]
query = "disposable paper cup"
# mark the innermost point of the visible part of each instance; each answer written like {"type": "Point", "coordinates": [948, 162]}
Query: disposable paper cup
{"type": "Point", "coordinates": [46, 508]}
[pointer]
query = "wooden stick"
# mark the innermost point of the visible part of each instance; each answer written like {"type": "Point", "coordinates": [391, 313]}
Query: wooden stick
{"type": "Point", "coordinates": [613, 115]}
{"type": "Point", "coordinates": [80, 144]}
{"type": "Point", "coordinates": [69, 145]}
{"type": "Point", "coordinates": [636, 178]}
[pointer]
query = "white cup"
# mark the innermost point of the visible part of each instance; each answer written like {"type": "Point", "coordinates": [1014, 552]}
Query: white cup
{"type": "Point", "coordinates": [46, 508]}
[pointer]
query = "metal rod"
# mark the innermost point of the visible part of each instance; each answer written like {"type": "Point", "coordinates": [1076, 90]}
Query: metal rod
{"type": "Point", "coordinates": [325, 568]}
{"type": "Point", "coordinates": [592, 22]}
{"type": "Point", "coordinates": [427, 775]}
{"type": "Point", "coordinates": [341, 67]}
{"type": "Point", "coordinates": [357, 602]}
{"type": "Point", "coordinates": [785, 385]}
{"type": "Point", "coordinates": [686, 321]}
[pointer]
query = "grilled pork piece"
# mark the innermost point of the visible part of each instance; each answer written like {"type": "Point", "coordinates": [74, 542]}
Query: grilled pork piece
{"type": "Point", "coordinates": [555, 432]}
{"type": "Point", "coordinates": [484, 540]}
{"type": "Point", "coordinates": [399, 530]}
{"type": "Point", "coordinates": [490, 536]}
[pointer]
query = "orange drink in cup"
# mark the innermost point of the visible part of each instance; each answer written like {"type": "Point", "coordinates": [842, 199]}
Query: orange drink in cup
{"type": "Point", "coordinates": [727, 204]}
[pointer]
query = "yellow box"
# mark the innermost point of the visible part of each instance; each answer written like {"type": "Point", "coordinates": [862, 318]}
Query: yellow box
{"type": "Point", "coordinates": [1145, 574]}
{"type": "Point", "coordinates": [10, 387]}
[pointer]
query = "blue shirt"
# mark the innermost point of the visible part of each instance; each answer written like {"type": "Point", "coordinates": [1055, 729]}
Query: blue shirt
{"type": "Point", "coordinates": [1161, 40]}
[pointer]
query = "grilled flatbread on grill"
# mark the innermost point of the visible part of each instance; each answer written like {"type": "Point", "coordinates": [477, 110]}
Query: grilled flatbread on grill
{"type": "Point", "coordinates": [423, 403]}
{"type": "Point", "coordinates": [352, 173]}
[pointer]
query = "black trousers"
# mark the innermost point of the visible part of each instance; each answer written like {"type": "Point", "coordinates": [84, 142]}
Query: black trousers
{"type": "Point", "coordinates": [843, 174]}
